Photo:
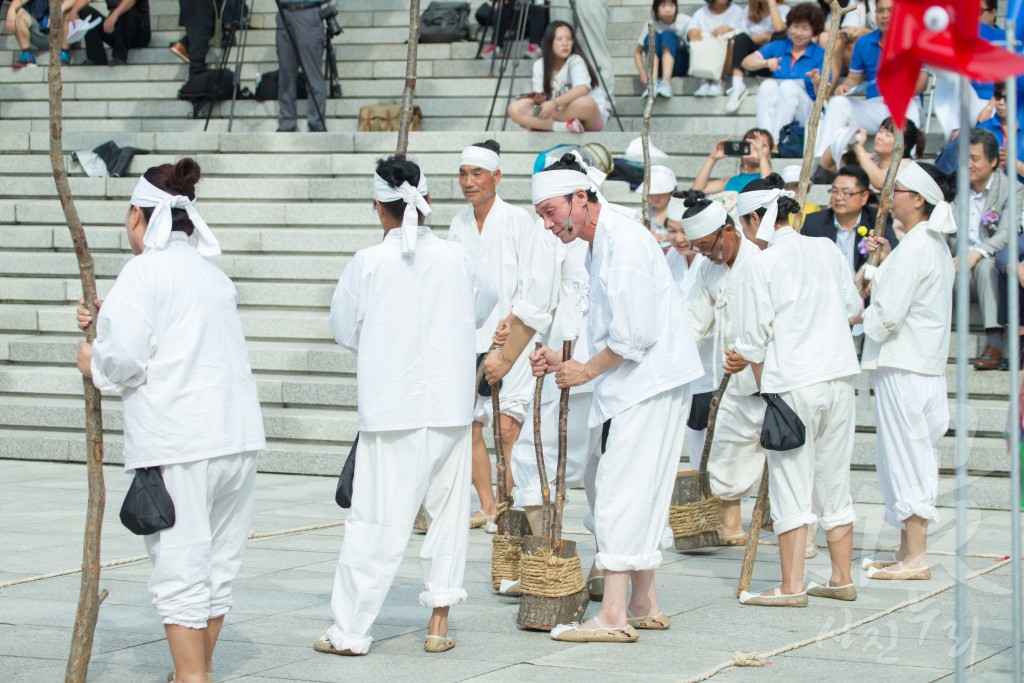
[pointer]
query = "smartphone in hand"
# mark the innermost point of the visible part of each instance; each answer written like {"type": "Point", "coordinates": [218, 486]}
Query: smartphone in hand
{"type": "Point", "coordinates": [736, 148]}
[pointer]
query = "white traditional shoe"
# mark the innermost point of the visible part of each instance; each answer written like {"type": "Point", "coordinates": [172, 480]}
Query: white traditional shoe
{"type": "Point", "coordinates": [714, 89]}
{"type": "Point", "coordinates": [702, 91]}
{"type": "Point", "coordinates": [664, 89]}
{"type": "Point", "coordinates": [490, 527]}
{"type": "Point", "coordinates": [736, 95]}
{"type": "Point", "coordinates": [509, 587]}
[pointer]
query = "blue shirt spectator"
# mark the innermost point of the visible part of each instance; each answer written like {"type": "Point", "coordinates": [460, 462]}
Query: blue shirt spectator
{"type": "Point", "coordinates": [811, 59]}
{"type": "Point", "coordinates": [867, 52]}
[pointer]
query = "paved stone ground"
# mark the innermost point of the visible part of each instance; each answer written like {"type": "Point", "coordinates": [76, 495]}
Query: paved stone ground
{"type": "Point", "coordinates": [282, 605]}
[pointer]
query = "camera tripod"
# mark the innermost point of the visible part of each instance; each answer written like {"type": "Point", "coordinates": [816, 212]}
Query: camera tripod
{"type": "Point", "coordinates": [515, 46]}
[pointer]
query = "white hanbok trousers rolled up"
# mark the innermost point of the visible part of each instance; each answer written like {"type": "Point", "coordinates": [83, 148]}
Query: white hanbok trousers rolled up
{"type": "Point", "coordinates": [868, 114]}
{"type": "Point", "coordinates": [515, 396]}
{"type": "Point", "coordinates": [815, 476]}
{"type": "Point", "coordinates": [583, 449]}
{"type": "Point", "coordinates": [780, 101]}
{"type": "Point", "coordinates": [736, 461]}
{"type": "Point", "coordinates": [913, 414]}
{"type": "Point", "coordinates": [396, 472]}
{"type": "Point", "coordinates": [196, 560]}
{"type": "Point", "coordinates": [635, 478]}
{"type": "Point", "coordinates": [695, 446]}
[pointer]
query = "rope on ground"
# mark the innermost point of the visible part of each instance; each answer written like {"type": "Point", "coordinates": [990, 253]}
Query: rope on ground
{"type": "Point", "coordinates": [253, 535]}
{"type": "Point", "coordinates": [759, 658]}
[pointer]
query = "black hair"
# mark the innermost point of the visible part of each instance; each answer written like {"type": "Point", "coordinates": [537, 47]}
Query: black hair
{"type": "Point", "coordinates": [988, 142]}
{"type": "Point", "coordinates": [547, 54]}
{"type": "Point", "coordinates": [395, 170]}
{"type": "Point", "coordinates": [177, 179]}
{"type": "Point", "coordinates": [773, 181]}
{"type": "Point", "coordinates": [696, 201]}
{"type": "Point", "coordinates": [657, 3]}
{"type": "Point", "coordinates": [858, 174]}
{"type": "Point", "coordinates": [913, 138]}
{"type": "Point", "coordinates": [569, 162]}
{"type": "Point", "coordinates": [944, 182]}
{"type": "Point", "coordinates": [489, 144]}
{"type": "Point", "coordinates": [807, 13]}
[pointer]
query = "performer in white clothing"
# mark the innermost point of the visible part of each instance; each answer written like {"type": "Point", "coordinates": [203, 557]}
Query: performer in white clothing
{"type": "Point", "coordinates": [796, 302]}
{"type": "Point", "coordinates": [907, 328]}
{"type": "Point", "coordinates": [408, 308]}
{"type": "Point", "coordinates": [642, 360]}
{"type": "Point", "coordinates": [169, 341]}
{"type": "Point", "coordinates": [497, 234]}
{"type": "Point", "coordinates": [736, 460]}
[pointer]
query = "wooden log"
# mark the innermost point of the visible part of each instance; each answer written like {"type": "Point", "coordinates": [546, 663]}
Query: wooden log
{"type": "Point", "coordinates": [543, 613]}
{"type": "Point", "coordinates": [688, 489]}
{"type": "Point", "coordinates": [885, 202]}
{"type": "Point", "coordinates": [405, 119]}
{"type": "Point", "coordinates": [538, 444]}
{"type": "Point", "coordinates": [754, 535]}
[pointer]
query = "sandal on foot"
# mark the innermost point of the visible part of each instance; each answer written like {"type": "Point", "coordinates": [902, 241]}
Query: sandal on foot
{"type": "Point", "coordinates": [209, 677]}
{"type": "Point", "coordinates": [847, 592]}
{"type": "Point", "coordinates": [435, 644]}
{"type": "Point", "coordinates": [595, 586]}
{"type": "Point", "coordinates": [325, 645]}
{"type": "Point", "coordinates": [477, 519]}
{"type": "Point", "coordinates": [732, 539]}
{"type": "Point", "coordinates": [776, 599]}
{"type": "Point", "coordinates": [811, 550]}
{"type": "Point", "coordinates": [868, 563]}
{"type": "Point", "coordinates": [656, 622]}
{"type": "Point", "coordinates": [896, 572]}
{"type": "Point", "coordinates": [572, 633]}
{"type": "Point", "coordinates": [491, 526]}
{"type": "Point", "coordinates": [510, 588]}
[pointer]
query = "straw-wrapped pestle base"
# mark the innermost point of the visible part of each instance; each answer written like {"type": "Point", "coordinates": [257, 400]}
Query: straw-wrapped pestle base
{"type": "Point", "coordinates": [553, 590]}
{"type": "Point", "coordinates": [694, 519]}
{"type": "Point", "coordinates": [507, 547]}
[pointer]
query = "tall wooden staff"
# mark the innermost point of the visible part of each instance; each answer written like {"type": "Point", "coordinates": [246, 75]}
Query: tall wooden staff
{"type": "Point", "coordinates": [885, 202]}
{"type": "Point", "coordinates": [563, 418]}
{"type": "Point", "coordinates": [89, 596]}
{"type": "Point", "coordinates": [645, 134]}
{"type": "Point", "coordinates": [538, 445]}
{"type": "Point", "coordinates": [824, 87]}
{"type": "Point", "coordinates": [405, 120]}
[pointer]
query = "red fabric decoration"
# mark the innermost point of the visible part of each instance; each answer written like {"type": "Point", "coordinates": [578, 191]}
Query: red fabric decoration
{"type": "Point", "coordinates": [957, 47]}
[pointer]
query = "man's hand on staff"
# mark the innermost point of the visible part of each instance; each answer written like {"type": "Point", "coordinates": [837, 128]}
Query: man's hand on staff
{"type": "Point", "coordinates": [85, 358]}
{"type": "Point", "coordinates": [734, 362]}
{"type": "Point", "coordinates": [544, 361]}
{"type": "Point", "coordinates": [571, 373]}
{"type": "Point", "coordinates": [874, 243]}
{"type": "Point", "coordinates": [83, 314]}
{"type": "Point", "coordinates": [496, 366]}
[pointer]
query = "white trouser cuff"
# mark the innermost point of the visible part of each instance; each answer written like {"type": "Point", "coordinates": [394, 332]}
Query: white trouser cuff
{"type": "Point", "coordinates": [900, 512]}
{"type": "Point", "coordinates": [217, 611]}
{"type": "Point", "coordinates": [841, 518]}
{"type": "Point", "coordinates": [623, 563]}
{"type": "Point", "coordinates": [790, 523]}
{"type": "Point", "coordinates": [359, 645]}
{"type": "Point", "coordinates": [443, 598]}
{"type": "Point", "coordinates": [170, 621]}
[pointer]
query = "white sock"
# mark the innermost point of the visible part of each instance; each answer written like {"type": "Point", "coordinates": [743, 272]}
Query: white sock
{"type": "Point", "coordinates": [559, 127]}
{"type": "Point", "coordinates": [737, 81]}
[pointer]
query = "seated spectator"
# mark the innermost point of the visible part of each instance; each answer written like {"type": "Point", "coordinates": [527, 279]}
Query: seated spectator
{"type": "Point", "coordinates": [993, 116]}
{"type": "Point", "coordinates": [867, 113]}
{"type": "Point", "coordinates": [1002, 260]}
{"type": "Point", "coordinates": [757, 164]}
{"type": "Point", "coordinates": [125, 27]}
{"type": "Point", "coordinates": [987, 235]}
{"type": "Point", "coordinates": [29, 22]}
{"type": "Point", "coordinates": [795, 65]}
{"type": "Point", "coordinates": [716, 18]}
{"type": "Point", "coordinates": [670, 56]}
{"type": "Point", "coordinates": [567, 95]}
{"type": "Point", "coordinates": [536, 22]}
{"type": "Point", "coordinates": [854, 25]}
{"type": "Point", "coordinates": [765, 22]}
{"type": "Point", "coordinates": [876, 163]}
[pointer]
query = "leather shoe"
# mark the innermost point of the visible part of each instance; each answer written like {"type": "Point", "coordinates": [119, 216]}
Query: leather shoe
{"type": "Point", "coordinates": [989, 360]}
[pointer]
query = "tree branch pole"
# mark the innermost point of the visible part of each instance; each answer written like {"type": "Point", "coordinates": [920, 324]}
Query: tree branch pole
{"type": "Point", "coordinates": [709, 437]}
{"type": "Point", "coordinates": [563, 426]}
{"type": "Point", "coordinates": [538, 445]}
{"type": "Point", "coordinates": [811, 134]}
{"type": "Point", "coordinates": [885, 201]}
{"type": "Point", "coordinates": [405, 120]}
{"type": "Point", "coordinates": [89, 596]}
{"type": "Point", "coordinates": [645, 134]}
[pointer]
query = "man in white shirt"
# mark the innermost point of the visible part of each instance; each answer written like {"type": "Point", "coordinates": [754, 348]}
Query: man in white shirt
{"type": "Point", "coordinates": [641, 361]}
{"type": "Point", "coordinates": [497, 235]}
{"type": "Point", "coordinates": [796, 302]}
{"type": "Point", "coordinates": [408, 308]}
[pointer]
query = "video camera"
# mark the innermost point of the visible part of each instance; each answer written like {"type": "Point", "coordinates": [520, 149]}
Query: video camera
{"type": "Point", "coordinates": [329, 13]}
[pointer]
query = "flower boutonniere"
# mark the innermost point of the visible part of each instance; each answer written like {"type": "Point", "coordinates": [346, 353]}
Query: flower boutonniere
{"type": "Point", "coordinates": [862, 243]}
{"type": "Point", "coordinates": [990, 220]}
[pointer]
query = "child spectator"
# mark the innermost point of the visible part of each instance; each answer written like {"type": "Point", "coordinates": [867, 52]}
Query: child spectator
{"type": "Point", "coordinates": [671, 58]}
{"type": "Point", "coordinates": [717, 18]}
{"type": "Point", "coordinates": [766, 21]}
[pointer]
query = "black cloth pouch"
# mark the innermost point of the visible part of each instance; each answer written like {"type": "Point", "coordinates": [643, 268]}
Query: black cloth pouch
{"type": "Point", "coordinates": [484, 389]}
{"type": "Point", "coordinates": [343, 495]}
{"type": "Point", "coordinates": [783, 430]}
{"type": "Point", "coordinates": [700, 410]}
{"type": "Point", "coordinates": [148, 507]}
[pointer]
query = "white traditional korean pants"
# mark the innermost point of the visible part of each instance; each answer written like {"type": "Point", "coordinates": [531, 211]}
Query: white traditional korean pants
{"type": "Point", "coordinates": [913, 414]}
{"type": "Point", "coordinates": [736, 461]}
{"type": "Point", "coordinates": [635, 478]}
{"type": "Point", "coordinates": [868, 114]}
{"type": "Point", "coordinates": [195, 561]}
{"type": "Point", "coordinates": [395, 473]}
{"type": "Point", "coordinates": [779, 102]}
{"type": "Point", "coordinates": [695, 446]}
{"type": "Point", "coordinates": [816, 476]}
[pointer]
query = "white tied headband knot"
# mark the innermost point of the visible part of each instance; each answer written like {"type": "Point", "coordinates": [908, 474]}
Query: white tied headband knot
{"type": "Point", "coordinates": [414, 198]}
{"type": "Point", "coordinates": [548, 184]}
{"type": "Point", "coordinates": [709, 220]}
{"type": "Point", "coordinates": [158, 231]}
{"type": "Point", "coordinates": [916, 179]}
{"type": "Point", "coordinates": [749, 202]}
{"type": "Point", "coordinates": [480, 157]}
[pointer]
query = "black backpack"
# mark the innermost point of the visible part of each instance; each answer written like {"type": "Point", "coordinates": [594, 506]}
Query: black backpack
{"type": "Point", "coordinates": [445, 22]}
{"type": "Point", "coordinates": [267, 86]}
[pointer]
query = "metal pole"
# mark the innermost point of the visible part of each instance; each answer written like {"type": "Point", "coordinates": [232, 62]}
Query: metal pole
{"type": "Point", "coordinates": [1013, 349]}
{"type": "Point", "coordinates": [963, 302]}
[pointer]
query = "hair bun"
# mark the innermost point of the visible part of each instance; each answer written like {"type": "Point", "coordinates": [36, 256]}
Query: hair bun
{"type": "Point", "coordinates": [690, 197]}
{"type": "Point", "coordinates": [184, 176]}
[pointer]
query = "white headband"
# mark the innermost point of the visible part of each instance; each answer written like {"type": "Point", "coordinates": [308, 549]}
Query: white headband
{"type": "Point", "coordinates": [676, 209]}
{"type": "Point", "coordinates": [548, 184]}
{"type": "Point", "coordinates": [748, 202]}
{"type": "Point", "coordinates": [791, 174]}
{"type": "Point", "coordinates": [413, 198]}
{"type": "Point", "coordinates": [704, 223]}
{"type": "Point", "coordinates": [480, 157]}
{"type": "Point", "coordinates": [663, 180]}
{"type": "Point", "coordinates": [158, 231]}
{"type": "Point", "coordinates": [915, 178]}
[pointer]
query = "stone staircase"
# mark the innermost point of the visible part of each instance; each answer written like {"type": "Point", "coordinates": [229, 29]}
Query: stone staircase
{"type": "Point", "coordinates": [291, 209]}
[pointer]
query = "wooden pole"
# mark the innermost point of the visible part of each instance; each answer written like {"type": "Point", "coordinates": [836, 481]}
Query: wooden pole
{"type": "Point", "coordinates": [645, 134]}
{"type": "Point", "coordinates": [545, 487]}
{"type": "Point", "coordinates": [499, 454]}
{"type": "Point", "coordinates": [716, 400]}
{"type": "Point", "coordinates": [885, 202]}
{"type": "Point", "coordinates": [410, 78]}
{"type": "Point", "coordinates": [811, 134]}
{"type": "Point", "coordinates": [563, 418]}
{"type": "Point", "coordinates": [89, 595]}
{"type": "Point", "coordinates": [754, 535]}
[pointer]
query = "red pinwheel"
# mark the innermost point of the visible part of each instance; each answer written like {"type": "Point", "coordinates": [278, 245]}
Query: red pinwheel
{"type": "Point", "coordinates": [939, 33]}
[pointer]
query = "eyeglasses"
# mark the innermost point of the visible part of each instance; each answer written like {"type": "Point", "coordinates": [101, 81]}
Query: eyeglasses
{"type": "Point", "coordinates": [701, 250]}
{"type": "Point", "coordinates": [999, 96]}
{"type": "Point", "coordinates": [846, 194]}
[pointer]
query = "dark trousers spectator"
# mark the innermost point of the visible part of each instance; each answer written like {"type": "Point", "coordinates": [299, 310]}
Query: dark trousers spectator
{"type": "Point", "coordinates": [1002, 260]}
{"type": "Point", "coordinates": [536, 22]}
{"type": "Point", "coordinates": [199, 17]}
{"type": "Point", "coordinates": [307, 28]}
{"type": "Point", "coordinates": [743, 46]}
{"type": "Point", "coordinates": [130, 32]}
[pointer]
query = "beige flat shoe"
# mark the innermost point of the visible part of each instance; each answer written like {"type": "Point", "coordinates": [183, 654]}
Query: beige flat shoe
{"type": "Point", "coordinates": [572, 633]}
{"type": "Point", "coordinates": [477, 519]}
{"type": "Point", "coordinates": [435, 644]}
{"type": "Point", "coordinates": [896, 572]}
{"type": "Point", "coordinates": [732, 539]}
{"type": "Point", "coordinates": [325, 645]}
{"type": "Point", "coordinates": [657, 622]}
{"type": "Point", "coordinates": [209, 677]}
{"type": "Point", "coordinates": [847, 592]}
{"type": "Point", "coordinates": [776, 599]}
{"type": "Point", "coordinates": [811, 550]}
{"type": "Point", "coordinates": [868, 563]}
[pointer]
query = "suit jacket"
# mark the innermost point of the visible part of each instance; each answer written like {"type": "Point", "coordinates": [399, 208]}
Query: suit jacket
{"type": "Point", "coordinates": [994, 237]}
{"type": "Point", "coordinates": [823, 224]}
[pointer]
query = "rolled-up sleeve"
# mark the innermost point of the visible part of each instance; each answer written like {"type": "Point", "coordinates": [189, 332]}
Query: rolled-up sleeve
{"type": "Point", "coordinates": [633, 307]}
{"type": "Point", "coordinates": [756, 315]}
{"type": "Point", "coordinates": [485, 295]}
{"type": "Point", "coordinates": [539, 281]}
{"type": "Point", "coordinates": [346, 306]}
{"type": "Point", "coordinates": [700, 310]}
{"type": "Point", "coordinates": [124, 341]}
{"type": "Point", "coordinates": [894, 291]}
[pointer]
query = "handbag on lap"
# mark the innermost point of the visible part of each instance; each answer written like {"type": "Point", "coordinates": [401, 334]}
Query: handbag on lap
{"type": "Point", "coordinates": [707, 56]}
